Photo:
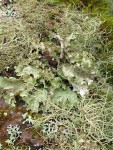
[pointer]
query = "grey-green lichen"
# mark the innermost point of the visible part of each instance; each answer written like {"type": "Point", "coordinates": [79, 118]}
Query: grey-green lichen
{"type": "Point", "coordinates": [14, 133]}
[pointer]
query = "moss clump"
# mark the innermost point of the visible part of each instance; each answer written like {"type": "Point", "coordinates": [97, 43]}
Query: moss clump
{"type": "Point", "coordinates": [56, 75]}
{"type": "Point", "coordinates": [19, 36]}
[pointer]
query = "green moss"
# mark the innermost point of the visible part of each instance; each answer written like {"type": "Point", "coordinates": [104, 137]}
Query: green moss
{"type": "Point", "coordinates": [57, 53]}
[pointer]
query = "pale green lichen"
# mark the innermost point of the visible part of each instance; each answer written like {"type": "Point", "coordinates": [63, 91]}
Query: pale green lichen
{"type": "Point", "coordinates": [14, 133]}
{"type": "Point", "coordinates": [0, 146]}
{"type": "Point", "coordinates": [72, 95]}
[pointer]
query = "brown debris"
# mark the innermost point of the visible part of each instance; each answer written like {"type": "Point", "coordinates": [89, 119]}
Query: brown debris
{"type": "Point", "coordinates": [13, 116]}
{"type": "Point", "coordinates": [5, 2]}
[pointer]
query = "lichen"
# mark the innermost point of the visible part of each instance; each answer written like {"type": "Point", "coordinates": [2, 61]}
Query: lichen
{"type": "Point", "coordinates": [14, 132]}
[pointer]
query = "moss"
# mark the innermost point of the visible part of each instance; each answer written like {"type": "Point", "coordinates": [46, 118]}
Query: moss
{"type": "Point", "coordinates": [56, 74]}
{"type": "Point", "coordinates": [19, 36]}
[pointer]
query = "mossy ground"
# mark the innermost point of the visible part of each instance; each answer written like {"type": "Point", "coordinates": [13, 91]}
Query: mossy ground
{"type": "Point", "coordinates": [47, 48]}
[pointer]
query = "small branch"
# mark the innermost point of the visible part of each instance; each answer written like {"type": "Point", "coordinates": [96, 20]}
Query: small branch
{"type": "Point", "coordinates": [62, 45]}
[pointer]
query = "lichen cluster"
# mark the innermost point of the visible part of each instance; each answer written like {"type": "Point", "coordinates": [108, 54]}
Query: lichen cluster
{"type": "Point", "coordinates": [51, 59]}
